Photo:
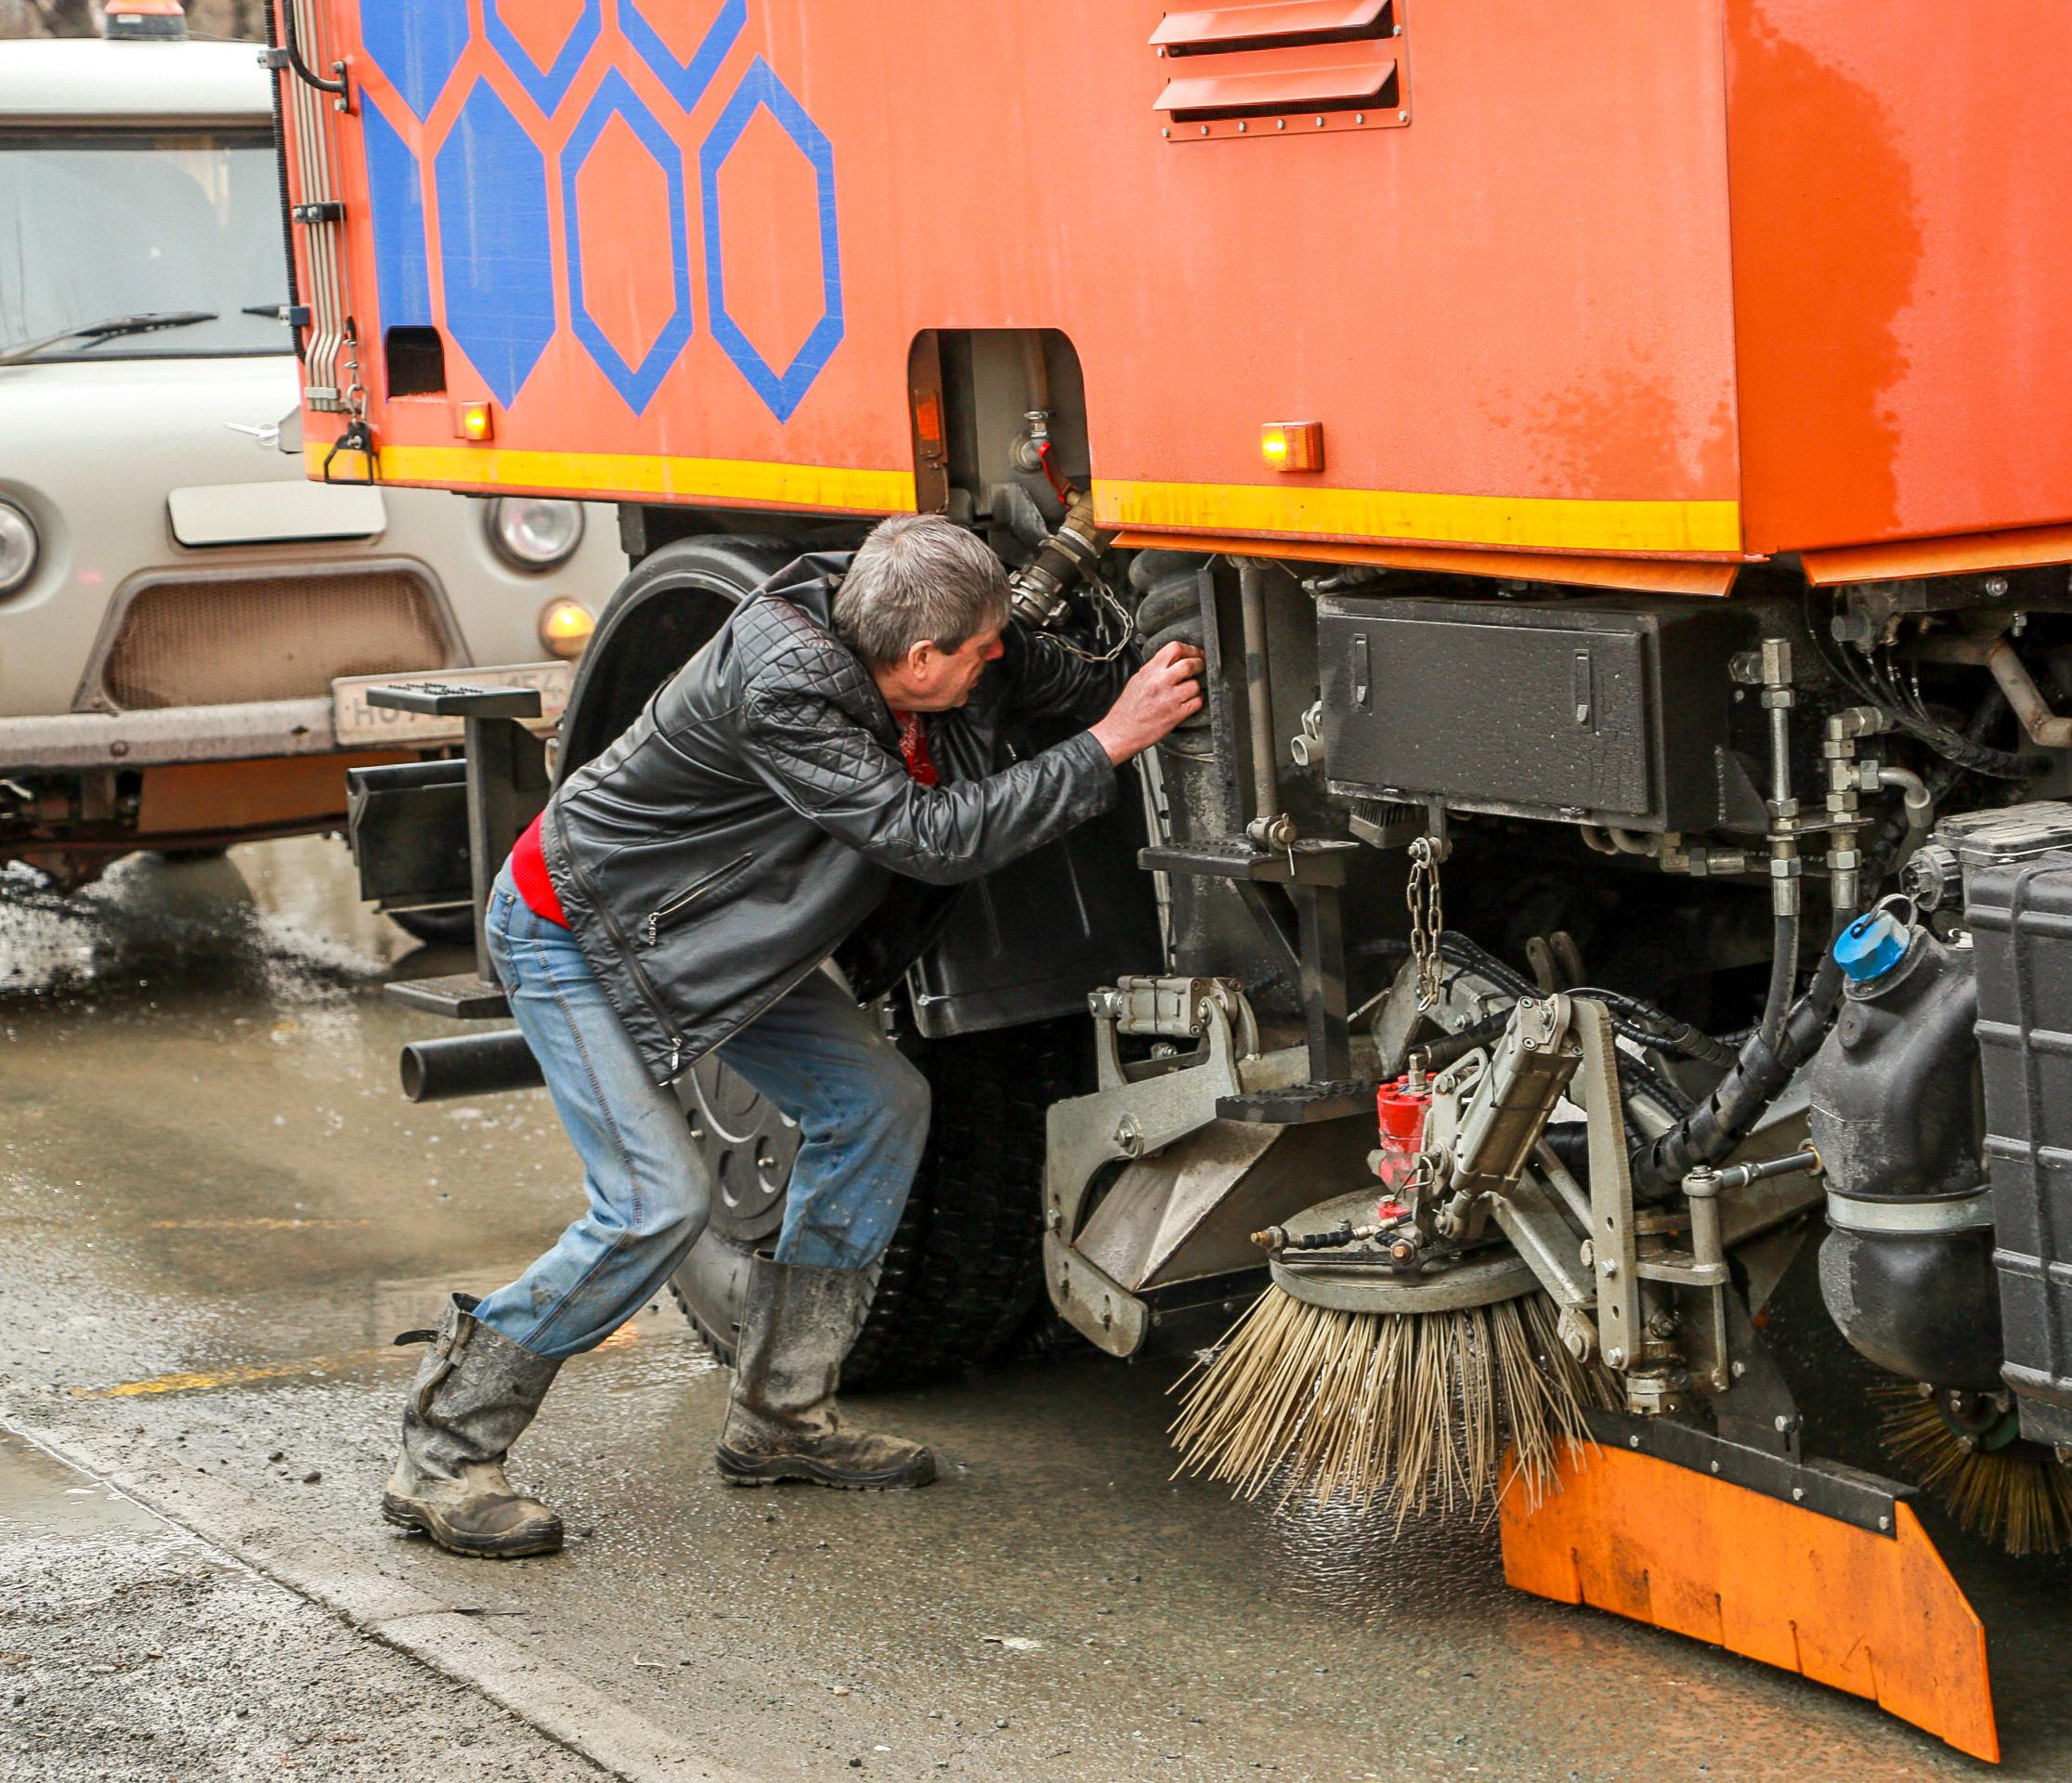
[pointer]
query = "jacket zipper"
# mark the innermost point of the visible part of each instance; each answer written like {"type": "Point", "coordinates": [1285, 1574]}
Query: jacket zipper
{"type": "Point", "coordinates": [671, 913]}
{"type": "Point", "coordinates": [633, 964]}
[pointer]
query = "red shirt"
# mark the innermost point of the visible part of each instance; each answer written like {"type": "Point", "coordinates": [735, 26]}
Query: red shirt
{"type": "Point", "coordinates": [529, 873]}
{"type": "Point", "coordinates": [528, 865]}
{"type": "Point", "coordinates": [913, 747]}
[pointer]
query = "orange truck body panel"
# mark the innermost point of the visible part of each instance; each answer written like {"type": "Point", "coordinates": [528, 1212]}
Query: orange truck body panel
{"type": "Point", "coordinates": [1685, 278]}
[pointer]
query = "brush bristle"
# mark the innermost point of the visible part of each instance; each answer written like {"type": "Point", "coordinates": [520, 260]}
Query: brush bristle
{"type": "Point", "coordinates": [1415, 1409]}
{"type": "Point", "coordinates": [2018, 1498]}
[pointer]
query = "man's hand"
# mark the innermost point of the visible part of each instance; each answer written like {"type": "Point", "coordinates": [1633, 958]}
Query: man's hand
{"type": "Point", "coordinates": [1166, 690]}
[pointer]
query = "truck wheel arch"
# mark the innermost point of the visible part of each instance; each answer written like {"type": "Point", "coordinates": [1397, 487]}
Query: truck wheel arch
{"type": "Point", "coordinates": [670, 604]}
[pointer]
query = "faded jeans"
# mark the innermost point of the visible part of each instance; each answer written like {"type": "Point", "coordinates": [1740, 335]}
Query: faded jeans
{"type": "Point", "coordinates": [862, 1111]}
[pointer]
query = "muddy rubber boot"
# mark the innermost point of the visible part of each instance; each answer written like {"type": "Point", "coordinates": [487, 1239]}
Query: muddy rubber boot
{"type": "Point", "coordinates": [473, 1395]}
{"type": "Point", "coordinates": [782, 1423]}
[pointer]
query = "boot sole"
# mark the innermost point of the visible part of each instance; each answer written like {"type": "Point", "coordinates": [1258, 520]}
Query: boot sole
{"type": "Point", "coordinates": [415, 1517]}
{"type": "Point", "coordinates": [776, 1470]}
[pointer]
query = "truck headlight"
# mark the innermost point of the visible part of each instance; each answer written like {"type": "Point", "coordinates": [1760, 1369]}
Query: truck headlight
{"type": "Point", "coordinates": [18, 548]}
{"type": "Point", "coordinates": [531, 532]}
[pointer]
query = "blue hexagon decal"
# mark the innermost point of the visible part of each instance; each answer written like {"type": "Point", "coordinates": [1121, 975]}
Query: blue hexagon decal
{"type": "Point", "coordinates": [548, 85]}
{"type": "Point", "coordinates": [781, 391]}
{"type": "Point", "coordinates": [637, 384]}
{"type": "Point", "coordinates": [685, 81]}
{"type": "Point", "coordinates": [399, 215]}
{"type": "Point", "coordinates": [493, 242]}
{"type": "Point", "coordinates": [417, 44]}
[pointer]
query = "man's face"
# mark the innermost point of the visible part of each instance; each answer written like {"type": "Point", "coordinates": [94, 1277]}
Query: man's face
{"type": "Point", "coordinates": [938, 681]}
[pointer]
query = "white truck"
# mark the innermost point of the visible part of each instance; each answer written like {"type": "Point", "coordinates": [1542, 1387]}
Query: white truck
{"type": "Point", "coordinates": [183, 616]}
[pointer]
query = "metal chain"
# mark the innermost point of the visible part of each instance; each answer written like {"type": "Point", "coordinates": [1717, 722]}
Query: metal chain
{"type": "Point", "coordinates": [1427, 921]}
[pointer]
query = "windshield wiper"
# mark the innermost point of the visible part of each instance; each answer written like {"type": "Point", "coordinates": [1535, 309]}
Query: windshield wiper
{"type": "Point", "coordinates": [93, 334]}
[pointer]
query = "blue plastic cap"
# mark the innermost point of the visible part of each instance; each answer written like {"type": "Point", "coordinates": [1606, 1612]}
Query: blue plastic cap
{"type": "Point", "coordinates": [1870, 946]}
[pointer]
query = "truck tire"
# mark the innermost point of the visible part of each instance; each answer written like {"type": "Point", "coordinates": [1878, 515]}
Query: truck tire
{"type": "Point", "coordinates": [963, 1279]}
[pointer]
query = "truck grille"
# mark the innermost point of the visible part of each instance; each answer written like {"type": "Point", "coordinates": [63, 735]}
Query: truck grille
{"type": "Point", "coordinates": [213, 640]}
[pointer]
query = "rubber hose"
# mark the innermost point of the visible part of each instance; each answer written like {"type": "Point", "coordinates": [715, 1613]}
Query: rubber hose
{"type": "Point", "coordinates": [1784, 974]}
{"type": "Point", "coordinates": [1171, 609]}
{"type": "Point", "coordinates": [1636, 1019]}
{"type": "Point", "coordinates": [1882, 848]}
{"type": "Point", "coordinates": [1709, 1135]}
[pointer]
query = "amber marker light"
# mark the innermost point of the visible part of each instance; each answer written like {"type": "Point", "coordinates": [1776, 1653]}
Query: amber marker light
{"type": "Point", "coordinates": [475, 421]}
{"type": "Point", "coordinates": [565, 628]}
{"type": "Point", "coordinates": [1292, 445]}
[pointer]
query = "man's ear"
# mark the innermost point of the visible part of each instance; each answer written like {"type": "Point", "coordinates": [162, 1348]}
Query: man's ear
{"type": "Point", "coordinates": [920, 658]}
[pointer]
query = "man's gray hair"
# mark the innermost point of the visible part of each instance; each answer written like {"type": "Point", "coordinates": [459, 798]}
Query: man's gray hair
{"type": "Point", "coordinates": [918, 578]}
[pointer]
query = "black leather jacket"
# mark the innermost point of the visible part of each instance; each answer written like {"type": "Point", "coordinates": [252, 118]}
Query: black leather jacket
{"type": "Point", "coordinates": [758, 810]}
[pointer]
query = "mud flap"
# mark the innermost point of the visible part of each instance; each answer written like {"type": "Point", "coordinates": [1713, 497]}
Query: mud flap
{"type": "Point", "coordinates": [1873, 1613]}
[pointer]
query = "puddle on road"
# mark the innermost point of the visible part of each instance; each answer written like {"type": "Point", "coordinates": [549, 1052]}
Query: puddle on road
{"type": "Point", "coordinates": [276, 919]}
{"type": "Point", "coordinates": [44, 1499]}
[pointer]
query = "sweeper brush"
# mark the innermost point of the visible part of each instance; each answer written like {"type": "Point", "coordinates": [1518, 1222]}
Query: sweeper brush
{"type": "Point", "coordinates": [1963, 1449]}
{"type": "Point", "coordinates": [1421, 1411]}
{"type": "Point", "coordinates": [1562, 1329]}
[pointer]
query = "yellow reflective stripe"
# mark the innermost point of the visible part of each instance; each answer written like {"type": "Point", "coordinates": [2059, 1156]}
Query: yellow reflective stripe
{"type": "Point", "coordinates": [825, 486]}
{"type": "Point", "coordinates": [1536, 522]}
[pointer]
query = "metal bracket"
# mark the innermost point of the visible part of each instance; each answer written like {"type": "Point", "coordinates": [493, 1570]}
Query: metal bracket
{"type": "Point", "coordinates": [1825, 1487]}
{"type": "Point", "coordinates": [1612, 1233]}
{"type": "Point", "coordinates": [507, 773]}
{"type": "Point", "coordinates": [1313, 873]}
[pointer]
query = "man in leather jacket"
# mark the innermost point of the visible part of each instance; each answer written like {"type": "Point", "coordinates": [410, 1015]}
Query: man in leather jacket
{"type": "Point", "coordinates": [840, 734]}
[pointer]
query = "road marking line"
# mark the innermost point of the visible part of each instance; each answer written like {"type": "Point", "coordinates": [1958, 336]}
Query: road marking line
{"type": "Point", "coordinates": [239, 1373]}
{"type": "Point", "coordinates": [258, 1223]}
{"type": "Point", "coordinates": [201, 1380]}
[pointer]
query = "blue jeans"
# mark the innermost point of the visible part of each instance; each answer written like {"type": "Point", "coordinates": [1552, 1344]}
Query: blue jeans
{"type": "Point", "coordinates": [862, 1111]}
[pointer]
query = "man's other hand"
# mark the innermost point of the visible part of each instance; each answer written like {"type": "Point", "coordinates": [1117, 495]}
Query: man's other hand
{"type": "Point", "coordinates": [1166, 690]}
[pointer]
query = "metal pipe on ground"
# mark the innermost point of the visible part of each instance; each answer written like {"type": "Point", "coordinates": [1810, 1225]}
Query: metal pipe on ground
{"type": "Point", "coordinates": [469, 1064]}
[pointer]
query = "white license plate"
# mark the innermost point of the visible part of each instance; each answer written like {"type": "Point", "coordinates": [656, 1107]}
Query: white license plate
{"type": "Point", "coordinates": [359, 725]}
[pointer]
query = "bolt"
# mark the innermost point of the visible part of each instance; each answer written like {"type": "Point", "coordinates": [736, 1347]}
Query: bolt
{"type": "Point", "coordinates": [1884, 1522]}
{"type": "Point", "coordinates": [1995, 587]}
{"type": "Point", "coordinates": [1615, 1358]}
{"type": "Point", "coordinates": [1632, 1442]}
{"type": "Point", "coordinates": [1403, 117]}
{"type": "Point", "coordinates": [1609, 1267]}
{"type": "Point", "coordinates": [1783, 1424]}
{"type": "Point", "coordinates": [1241, 128]}
{"type": "Point", "coordinates": [1359, 117]}
{"type": "Point", "coordinates": [1797, 1493]}
{"type": "Point", "coordinates": [1715, 1466]}
{"type": "Point", "coordinates": [1740, 1369]}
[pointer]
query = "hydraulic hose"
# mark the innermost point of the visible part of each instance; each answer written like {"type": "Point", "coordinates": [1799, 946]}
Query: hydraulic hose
{"type": "Point", "coordinates": [1642, 1023]}
{"type": "Point", "coordinates": [1784, 974]}
{"type": "Point", "coordinates": [1710, 1134]}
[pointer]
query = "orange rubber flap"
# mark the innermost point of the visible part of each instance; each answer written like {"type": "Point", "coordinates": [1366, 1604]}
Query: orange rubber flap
{"type": "Point", "coordinates": [1878, 1616]}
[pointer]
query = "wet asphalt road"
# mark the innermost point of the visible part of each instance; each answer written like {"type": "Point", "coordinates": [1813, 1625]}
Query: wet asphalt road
{"type": "Point", "coordinates": [216, 1211]}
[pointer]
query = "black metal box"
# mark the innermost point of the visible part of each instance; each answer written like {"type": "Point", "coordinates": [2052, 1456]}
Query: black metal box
{"type": "Point", "coordinates": [1604, 710]}
{"type": "Point", "coordinates": [2020, 916]}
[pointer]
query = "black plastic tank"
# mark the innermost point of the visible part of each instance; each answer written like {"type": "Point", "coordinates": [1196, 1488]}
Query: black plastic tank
{"type": "Point", "coordinates": [1897, 1117]}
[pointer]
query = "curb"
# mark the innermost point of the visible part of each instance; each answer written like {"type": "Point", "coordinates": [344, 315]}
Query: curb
{"type": "Point", "coordinates": [546, 1696]}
